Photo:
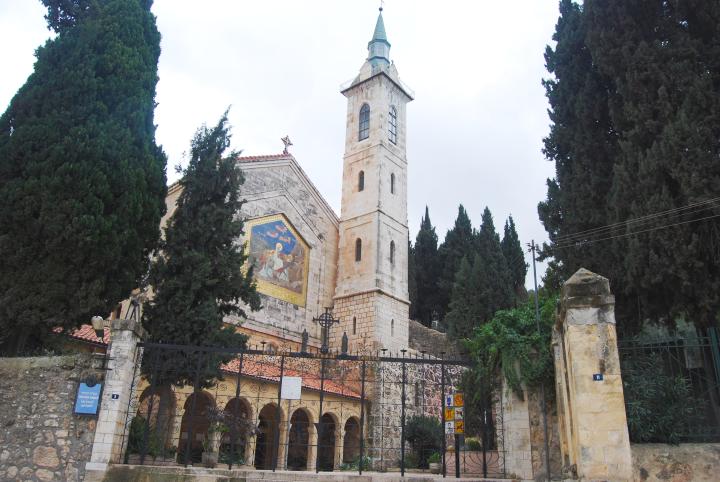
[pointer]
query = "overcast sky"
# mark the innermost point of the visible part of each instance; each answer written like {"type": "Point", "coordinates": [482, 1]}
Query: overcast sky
{"type": "Point", "coordinates": [475, 128]}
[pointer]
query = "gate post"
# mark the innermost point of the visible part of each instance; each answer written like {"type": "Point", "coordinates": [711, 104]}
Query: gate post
{"type": "Point", "coordinates": [122, 355]}
{"type": "Point", "coordinates": [594, 438]}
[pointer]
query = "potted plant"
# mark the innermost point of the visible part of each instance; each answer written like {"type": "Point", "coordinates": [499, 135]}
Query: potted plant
{"type": "Point", "coordinates": [434, 463]}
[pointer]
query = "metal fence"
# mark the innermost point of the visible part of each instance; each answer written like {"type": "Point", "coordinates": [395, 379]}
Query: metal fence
{"type": "Point", "coordinates": [198, 405]}
{"type": "Point", "coordinates": [672, 388]}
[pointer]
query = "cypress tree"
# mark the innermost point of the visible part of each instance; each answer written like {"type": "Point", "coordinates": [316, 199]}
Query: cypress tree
{"type": "Point", "coordinates": [492, 269]}
{"type": "Point", "coordinates": [636, 121]}
{"type": "Point", "coordinates": [412, 282]}
{"type": "Point", "coordinates": [515, 259]}
{"type": "Point", "coordinates": [426, 274]}
{"type": "Point", "coordinates": [465, 310]}
{"type": "Point", "coordinates": [198, 275]}
{"type": "Point", "coordinates": [82, 181]}
{"type": "Point", "coordinates": [458, 243]}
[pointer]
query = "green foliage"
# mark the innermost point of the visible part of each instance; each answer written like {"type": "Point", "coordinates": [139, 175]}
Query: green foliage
{"type": "Point", "coordinates": [434, 458]}
{"type": "Point", "coordinates": [355, 464]}
{"type": "Point", "coordinates": [198, 275]}
{"type": "Point", "coordinates": [515, 259]}
{"type": "Point", "coordinates": [660, 407]}
{"type": "Point", "coordinates": [136, 438]}
{"type": "Point", "coordinates": [82, 181]}
{"type": "Point", "coordinates": [426, 271]}
{"type": "Point", "coordinates": [458, 243]}
{"type": "Point", "coordinates": [481, 288]}
{"type": "Point", "coordinates": [473, 444]}
{"type": "Point", "coordinates": [510, 345]}
{"type": "Point", "coordinates": [425, 437]}
{"type": "Point", "coordinates": [635, 111]}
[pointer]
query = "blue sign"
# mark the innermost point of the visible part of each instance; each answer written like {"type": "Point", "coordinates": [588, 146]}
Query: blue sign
{"type": "Point", "coordinates": [87, 400]}
{"type": "Point", "coordinates": [597, 377]}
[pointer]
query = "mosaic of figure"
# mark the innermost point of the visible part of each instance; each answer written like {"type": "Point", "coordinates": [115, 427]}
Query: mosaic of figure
{"type": "Point", "coordinates": [279, 257]}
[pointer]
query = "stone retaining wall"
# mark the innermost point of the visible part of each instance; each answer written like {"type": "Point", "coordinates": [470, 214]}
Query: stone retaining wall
{"type": "Point", "coordinates": [676, 463]}
{"type": "Point", "coordinates": [40, 438]}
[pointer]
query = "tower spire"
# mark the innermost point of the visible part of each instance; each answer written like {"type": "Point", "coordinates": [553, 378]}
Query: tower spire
{"type": "Point", "coordinates": [379, 47]}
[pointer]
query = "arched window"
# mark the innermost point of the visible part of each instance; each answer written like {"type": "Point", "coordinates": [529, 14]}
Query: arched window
{"type": "Point", "coordinates": [392, 327]}
{"type": "Point", "coordinates": [358, 249]}
{"type": "Point", "coordinates": [354, 325]}
{"type": "Point", "coordinates": [392, 125]}
{"type": "Point", "coordinates": [392, 183]}
{"type": "Point", "coordinates": [361, 180]}
{"type": "Point", "coordinates": [392, 252]}
{"type": "Point", "coordinates": [364, 125]}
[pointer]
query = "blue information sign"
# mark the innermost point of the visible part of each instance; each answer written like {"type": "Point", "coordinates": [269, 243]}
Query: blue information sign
{"type": "Point", "coordinates": [87, 400]}
{"type": "Point", "coordinates": [598, 377]}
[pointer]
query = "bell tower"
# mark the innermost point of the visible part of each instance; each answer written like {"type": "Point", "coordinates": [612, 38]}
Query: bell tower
{"type": "Point", "coordinates": [371, 296]}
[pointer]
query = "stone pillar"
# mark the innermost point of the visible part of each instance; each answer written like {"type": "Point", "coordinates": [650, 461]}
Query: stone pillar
{"type": "Point", "coordinates": [593, 429]}
{"type": "Point", "coordinates": [515, 442]}
{"type": "Point", "coordinates": [122, 356]}
{"type": "Point", "coordinates": [312, 448]}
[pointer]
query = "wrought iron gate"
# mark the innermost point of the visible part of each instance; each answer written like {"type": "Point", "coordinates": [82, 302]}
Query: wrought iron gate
{"type": "Point", "coordinates": [377, 412]}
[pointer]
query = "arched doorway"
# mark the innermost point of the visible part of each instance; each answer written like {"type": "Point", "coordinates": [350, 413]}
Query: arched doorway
{"type": "Point", "coordinates": [234, 442]}
{"type": "Point", "coordinates": [326, 443]}
{"type": "Point", "coordinates": [351, 441]}
{"type": "Point", "coordinates": [156, 411]}
{"type": "Point", "coordinates": [298, 440]}
{"type": "Point", "coordinates": [196, 421]}
{"type": "Point", "coordinates": [267, 434]}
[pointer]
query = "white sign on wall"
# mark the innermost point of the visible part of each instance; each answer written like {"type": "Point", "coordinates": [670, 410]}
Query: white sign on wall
{"type": "Point", "coordinates": [290, 388]}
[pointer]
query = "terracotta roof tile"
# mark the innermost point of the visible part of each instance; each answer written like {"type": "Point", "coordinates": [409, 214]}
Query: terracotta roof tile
{"type": "Point", "coordinates": [86, 333]}
{"type": "Point", "coordinates": [270, 372]}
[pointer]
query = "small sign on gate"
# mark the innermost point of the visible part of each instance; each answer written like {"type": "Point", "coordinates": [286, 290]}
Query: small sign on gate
{"type": "Point", "coordinates": [459, 399]}
{"type": "Point", "coordinates": [449, 428]}
{"type": "Point", "coordinates": [291, 388]}
{"type": "Point", "coordinates": [449, 413]}
{"type": "Point", "coordinates": [459, 413]}
{"type": "Point", "coordinates": [449, 401]}
{"type": "Point", "coordinates": [459, 427]}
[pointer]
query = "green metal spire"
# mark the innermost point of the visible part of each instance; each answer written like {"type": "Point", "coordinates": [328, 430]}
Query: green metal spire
{"type": "Point", "coordinates": [379, 47]}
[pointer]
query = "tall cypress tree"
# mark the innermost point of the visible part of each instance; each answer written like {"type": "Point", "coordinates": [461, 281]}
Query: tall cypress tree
{"type": "Point", "coordinates": [636, 121]}
{"type": "Point", "coordinates": [412, 280]}
{"type": "Point", "coordinates": [515, 259]}
{"type": "Point", "coordinates": [492, 269]}
{"type": "Point", "coordinates": [426, 270]}
{"type": "Point", "coordinates": [198, 275]}
{"type": "Point", "coordinates": [82, 181]}
{"type": "Point", "coordinates": [458, 243]}
{"type": "Point", "coordinates": [465, 311]}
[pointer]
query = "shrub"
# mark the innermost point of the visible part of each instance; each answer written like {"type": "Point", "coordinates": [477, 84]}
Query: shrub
{"type": "Point", "coordinates": [425, 437]}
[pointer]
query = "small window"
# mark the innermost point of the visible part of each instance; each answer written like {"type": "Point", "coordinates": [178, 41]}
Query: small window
{"type": "Point", "coordinates": [392, 327]}
{"type": "Point", "coordinates": [392, 252]}
{"type": "Point", "coordinates": [361, 180]}
{"type": "Point", "coordinates": [392, 126]}
{"type": "Point", "coordinates": [364, 125]}
{"type": "Point", "coordinates": [358, 249]}
{"type": "Point", "coordinates": [354, 325]}
{"type": "Point", "coordinates": [392, 183]}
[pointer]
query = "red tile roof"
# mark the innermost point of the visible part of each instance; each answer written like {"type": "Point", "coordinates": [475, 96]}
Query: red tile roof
{"type": "Point", "coordinates": [270, 372]}
{"type": "Point", "coordinates": [251, 368]}
{"type": "Point", "coordinates": [86, 333]}
{"type": "Point", "coordinates": [267, 157]}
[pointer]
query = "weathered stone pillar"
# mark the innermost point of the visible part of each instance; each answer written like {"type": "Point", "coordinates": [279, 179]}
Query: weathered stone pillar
{"type": "Point", "coordinates": [591, 408]}
{"type": "Point", "coordinates": [122, 356]}
{"type": "Point", "coordinates": [312, 448]}
{"type": "Point", "coordinates": [515, 442]}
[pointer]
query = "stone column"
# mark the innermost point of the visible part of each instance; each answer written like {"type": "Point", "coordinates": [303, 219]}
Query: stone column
{"type": "Point", "coordinates": [122, 356]}
{"type": "Point", "coordinates": [593, 429]}
{"type": "Point", "coordinates": [312, 448]}
{"type": "Point", "coordinates": [515, 442]}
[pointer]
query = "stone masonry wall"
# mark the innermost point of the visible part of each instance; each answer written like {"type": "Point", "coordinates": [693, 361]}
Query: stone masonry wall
{"type": "Point", "coordinates": [40, 438]}
{"type": "Point", "coordinates": [675, 463]}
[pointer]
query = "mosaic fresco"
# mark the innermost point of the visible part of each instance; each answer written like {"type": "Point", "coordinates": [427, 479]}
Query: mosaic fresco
{"type": "Point", "coordinates": [279, 257]}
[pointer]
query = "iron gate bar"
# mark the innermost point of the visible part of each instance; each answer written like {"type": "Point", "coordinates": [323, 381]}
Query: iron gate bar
{"type": "Point", "coordinates": [188, 444]}
{"type": "Point", "coordinates": [402, 418]}
{"type": "Point", "coordinates": [362, 416]}
{"type": "Point", "coordinates": [320, 430]}
{"type": "Point", "coordinates": [237, 415]}
{"type": "Point", "coordinates": [442, 410]}
{"type": "Point", "coordinates": [278, 415]}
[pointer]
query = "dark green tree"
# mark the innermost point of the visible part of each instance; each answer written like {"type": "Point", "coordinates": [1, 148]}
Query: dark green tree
{"type": "Point", "coordinates": [465, 310]}
{"type": "Point", "coordinates": [412, 280]}
{"type": "Point", "coordinates": [495, 279]}
{"type": "Point", "coordinates": [515, 259]}
{"type": "Point", "coordinates": [82, 181]}
{"type": "Point", "coordinates": [198, 275]}
{"type": "Point", "coordinates": [426, 270]}
{"type": "Point", "coordinates": [458, 243]}
{"type": "Point", "coordinates": [636, 121]}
